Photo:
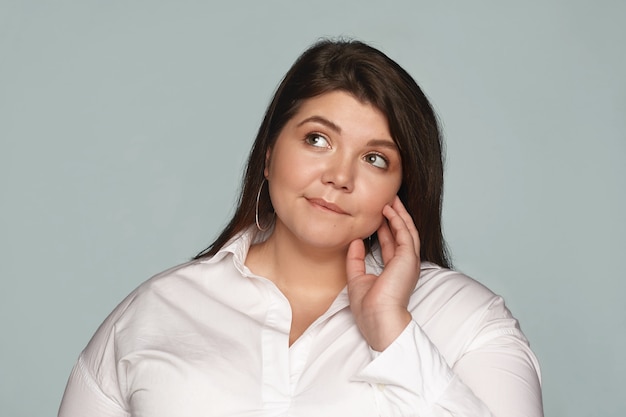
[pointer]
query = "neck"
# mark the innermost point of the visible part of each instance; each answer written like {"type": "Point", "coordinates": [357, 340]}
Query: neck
{"type": "Point", "coordinates": [309, 277]}
{"type": "Point", "coordinates": [296, 267]}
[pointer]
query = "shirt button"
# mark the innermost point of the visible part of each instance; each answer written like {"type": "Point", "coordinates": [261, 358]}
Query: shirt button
{"type": "Point", "coordinates": [381, 387]}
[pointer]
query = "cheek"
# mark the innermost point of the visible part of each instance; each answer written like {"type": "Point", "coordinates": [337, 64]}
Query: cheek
{"type": "Point", "coordinates": [376, 202]}
{"type": "Point", "coordinates": [386, 193]}
{"type": "Point", "coordinates": [282, 161]}
{"type": "Point", "coordinates": [375, 210]}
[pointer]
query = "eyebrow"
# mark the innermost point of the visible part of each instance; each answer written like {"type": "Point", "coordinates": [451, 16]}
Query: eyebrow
{"type": "Point", "coordinates": [384, 143]}
{"type": "Point", "coordinates": [323, 121]}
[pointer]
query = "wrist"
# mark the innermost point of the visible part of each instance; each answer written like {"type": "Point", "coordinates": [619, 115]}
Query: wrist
{"type": "Point", "coordinates": [381, 329]}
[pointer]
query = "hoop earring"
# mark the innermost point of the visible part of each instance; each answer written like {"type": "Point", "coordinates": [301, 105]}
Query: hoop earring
{"type": "Point", "coordinates": [256, 211]}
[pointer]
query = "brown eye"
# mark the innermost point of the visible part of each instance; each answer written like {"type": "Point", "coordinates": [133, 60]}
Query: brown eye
{"type": "Point", "coordinates": [377, 160]}
{"type": "Point", "coordinates": [317, 140]}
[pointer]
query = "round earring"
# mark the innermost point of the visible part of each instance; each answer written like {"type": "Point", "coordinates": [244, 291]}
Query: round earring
{"type": "Point", "coordinates": [256, 211]}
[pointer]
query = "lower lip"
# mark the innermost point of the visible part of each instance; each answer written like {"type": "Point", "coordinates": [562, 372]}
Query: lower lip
{"type": "Point", "coordinates": [324, 208]}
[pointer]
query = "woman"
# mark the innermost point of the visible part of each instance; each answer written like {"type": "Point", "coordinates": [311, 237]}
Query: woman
{"type": "Point", "coordinates": [329, 292]}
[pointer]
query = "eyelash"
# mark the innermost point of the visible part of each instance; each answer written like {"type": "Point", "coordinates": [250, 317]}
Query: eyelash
{"type": "Point", "coordinates": [381, 156]}
{"type": "Point", "coordinates": [309, 139]}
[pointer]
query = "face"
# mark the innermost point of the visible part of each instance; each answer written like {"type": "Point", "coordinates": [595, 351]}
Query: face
{"type": "Point", "coordinates": [333, 168]}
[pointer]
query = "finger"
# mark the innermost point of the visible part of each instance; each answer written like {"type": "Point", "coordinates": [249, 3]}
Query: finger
{"type": "Point", "coordinates": [408, 220]}
{"type": "Point", "coordinates": [401, 233]}
{"type": "Point", "coordinates": [355, 260]}
{"type": "Point", "coordinates": [387, 242]}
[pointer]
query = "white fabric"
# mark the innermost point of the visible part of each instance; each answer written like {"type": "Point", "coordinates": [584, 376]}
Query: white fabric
{"type": "Point", "coordinates": [209, 338]}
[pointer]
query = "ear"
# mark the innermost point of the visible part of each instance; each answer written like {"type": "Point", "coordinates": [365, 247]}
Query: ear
{"type": "Point", "coordinates": [266, 170]}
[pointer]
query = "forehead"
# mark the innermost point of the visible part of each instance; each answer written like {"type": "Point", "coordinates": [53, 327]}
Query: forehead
{"type": "Point", "coordinates": [342, 112]}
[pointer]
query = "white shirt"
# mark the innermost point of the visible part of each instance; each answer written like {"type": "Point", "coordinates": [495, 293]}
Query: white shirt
{"type": "Point", "coordinates": [210, 338]}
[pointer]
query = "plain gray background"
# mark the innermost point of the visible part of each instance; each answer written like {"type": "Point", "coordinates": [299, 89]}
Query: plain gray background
{"type": "Point", "coordinates": [124, 126]}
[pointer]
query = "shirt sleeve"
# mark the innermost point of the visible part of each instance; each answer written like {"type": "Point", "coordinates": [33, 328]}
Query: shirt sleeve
{"type": "Point", "coordinates": [84, 397]}
{"type": "Point", "coordinates": [93, 388]}
{"type": "Point", "coordinates": [497, 376]}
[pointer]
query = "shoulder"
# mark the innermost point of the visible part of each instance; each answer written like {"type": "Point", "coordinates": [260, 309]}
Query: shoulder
{"type": "Point", "coordinates": [177, 301]}
{"type": "Point", "coordinates": [159, 305]}
{"type": "Point", "coordinates": [447, 285]}
{"type": "Point", "coordinates": [458, 312]}
{"type": "Point", "coordinates": [177, 291]}
{"type": "Point", "coordinates": [169, 283]}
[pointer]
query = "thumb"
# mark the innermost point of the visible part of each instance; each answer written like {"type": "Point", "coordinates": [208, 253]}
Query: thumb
{"type": "Point", "coordinates": [355, 261]}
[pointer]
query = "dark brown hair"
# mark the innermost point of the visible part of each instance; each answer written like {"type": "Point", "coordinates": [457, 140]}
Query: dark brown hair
{"type": "Point", "coordinates": [374, 78]}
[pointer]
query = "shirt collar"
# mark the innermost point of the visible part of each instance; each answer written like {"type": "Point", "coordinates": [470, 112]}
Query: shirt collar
{"type": "Point", "coordinates": [239, 245]}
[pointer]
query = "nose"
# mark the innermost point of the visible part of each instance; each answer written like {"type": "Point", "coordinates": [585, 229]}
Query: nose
{"type": "Point", "coordinates": [339, 173]}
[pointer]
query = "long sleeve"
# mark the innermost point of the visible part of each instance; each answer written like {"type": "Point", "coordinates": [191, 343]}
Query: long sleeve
{"type": "Point", "coordinates": [93, 388]}
{"type": "Point", "coordinates": [413, 379]}
{"type": "Point", "coordinates": [465, 357]}
{"type": "Point", "coordinates": [84, 397]}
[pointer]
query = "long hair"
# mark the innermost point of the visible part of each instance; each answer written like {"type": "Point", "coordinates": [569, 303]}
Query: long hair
{"type": "Point", "coordinates": [371, 77]}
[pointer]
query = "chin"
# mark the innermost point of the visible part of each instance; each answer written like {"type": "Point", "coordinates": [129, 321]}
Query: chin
{"type": "Point", "coordinates": [329, 239]}
{"type": "Point", "coordinates": [327, 235]}
{"type": "Point", "coordinates": [324, 243]}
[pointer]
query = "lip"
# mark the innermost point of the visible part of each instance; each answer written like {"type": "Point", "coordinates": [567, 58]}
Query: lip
{"type": "Point", "coordinates": [326, 205]}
